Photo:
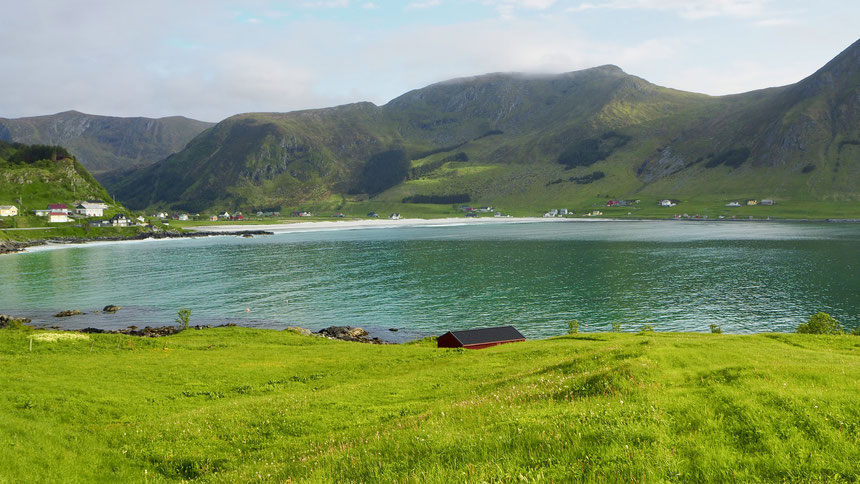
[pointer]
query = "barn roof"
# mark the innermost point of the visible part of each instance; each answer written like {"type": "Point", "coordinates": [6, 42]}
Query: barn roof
{"type": "Point", "coordinates": [487, 335]}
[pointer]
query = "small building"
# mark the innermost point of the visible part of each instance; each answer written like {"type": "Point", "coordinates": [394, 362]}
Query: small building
{"type": "Point", "coordinates": [394, 216]}
{"type": "Point", "coordinates": [612, 203]}
{"type": "Point", "coordinates": [733, 204]}
{"type": "Point", "coordinates": [183, 217]}
{"type": "Point", "coordinates": [475, 339]}
{"type": "Point", "coordinates": [97, 204]}
{"type": "Point", "coordinates": [338, 215]}
{"type": "Point", "coordinates": [666, 203]}
{"type": "Point", "coordinates": [140, 219]}
{"type": "Point", "coordinates": [752, 202]}
{"type": "Point", "coordinates": [161, 215]}
{"type": "Point", "coordinates": [88, 209]}
{"type": "Point", "coordinates": [767, 202]}
{"type": "Point", "coordinates": [58, 217]}
{"type": "Point", "coordinates": [120, 220]}
{"type": "Point", "coordinates": [373, 215]}
{"type": "Point", "coordinates": [8, 210]}
{"type": "Point", "coordinates": [59, 207]}
{"type": "Point", "coordinates": [41, 213]}
{"type": "Point", "coordinates": [562, 211]}
{"type": "Point", "coordinates": [213, 218]}
{"type": "Point", "coordinates": [238, 216]}
{"type": "Point", "coordinates": [224, 215]}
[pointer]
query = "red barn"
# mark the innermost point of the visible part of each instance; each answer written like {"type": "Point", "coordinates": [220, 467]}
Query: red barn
{"type": "Point", "coordinates": [475, 339]}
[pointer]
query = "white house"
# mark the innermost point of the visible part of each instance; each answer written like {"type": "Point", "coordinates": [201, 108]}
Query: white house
{"type": "Point", "coordinates": [161, 215]}
{"type": "Point", "coordinates": [8, 210]}
{"type": "Point", "coordinates": [733, 204]}
{"type": "Point", "coordinates": [41, 213]}
{"type": "Point", "coordinates": [120, 220]}
{"type": "Point", "coordinates": [183, 216]}
{"type": "Point", "coordinates": [225, 215]}
{"type": "Point", "coordinates": [89, 209]}
{"type": "Point", "coordinates": [58, 217]}
{"type": "Point", "coordinates": [394, 216]}
{"type": "Point", "coordinates": [59, 207]}
{"type": "Point", "coordinates": [666, 203]}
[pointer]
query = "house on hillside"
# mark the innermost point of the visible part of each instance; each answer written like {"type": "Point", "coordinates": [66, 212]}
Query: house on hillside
{"type": "Point", "coordinates": [372, 214]}
{"type": "Point", "coordinates": [666, 203]}
{"type": "Point", "coordinates": [474, 339]}
{"type": "Point", "coordinates": [41, 213]}
{"type": "Point", "coordinates": [213, 218]}
{"type": "Point", "coordinates": [394, 216]}
{"type": "Point", "coordinates": [58, 217]}
{"type": "Point", "coordinates": [8, 210]}
{"type": "Point", "coordinates": [183, 217]}
{"type": "Point", "coordinates": [752, 202]}
{"type": "Point", "coordinates": [733, 204]}
{"type": "Point", "coordinates": [120, 220]}
{"type": "Point", "coordinates": [88, 209]}
{"type": "Point", "coordinates": [59, 207]}
{"type": "Point", "coordinates": [767, 202]}
{"type": "Point", "coordinates": [238, 216]}
{"type": "Point", "coordinates": [612, 203]}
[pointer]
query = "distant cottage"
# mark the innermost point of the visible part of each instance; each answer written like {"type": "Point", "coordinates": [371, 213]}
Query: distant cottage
{"type": "Point", "coordinates": [89, 209]}
{"type": "Point", "coordinates": [475, 339]}
{"type": "Point", "coordinates": [8, 210]}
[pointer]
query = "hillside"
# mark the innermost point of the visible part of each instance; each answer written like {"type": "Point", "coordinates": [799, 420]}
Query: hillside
{"type": "Point", "coordinates": [40, 175]}
{"type": "Point", "coordinates": [521, 141]}
{"type": "Point", "coordinates": [239, 405]}
{"type": "Point", "coordinates": [105, 143]}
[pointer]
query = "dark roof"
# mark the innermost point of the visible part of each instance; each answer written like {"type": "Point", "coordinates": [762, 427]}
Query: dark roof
{"type": "Point", "coordinates": [487, 335]}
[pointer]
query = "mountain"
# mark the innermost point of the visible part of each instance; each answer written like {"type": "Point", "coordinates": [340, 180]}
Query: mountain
{"type": "Point", "coordinates": [527, 140]}
{"type": "Point", "coordinates": [105, 143]}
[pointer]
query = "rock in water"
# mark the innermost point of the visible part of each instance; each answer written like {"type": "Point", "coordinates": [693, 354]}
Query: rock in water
{"type": "Point", "coordinates": [66, 314]}
{"type": "Point", "coordinates": [110, 308]}
{"type": "Point", "coordinates": [348, 333]}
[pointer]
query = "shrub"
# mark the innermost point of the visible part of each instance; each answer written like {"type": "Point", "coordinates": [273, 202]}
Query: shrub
{"type": "Point", "coordinates": [572, 327]}
{"type": "Point", "coordinates": [647, 328]}
{"type": "Point", "coordinates": [616, 326]}
{"type": "Point", "coordinates": [820, 323]}
{"type": "Point", "coordinates": [183, 317]}
{"type": "Point", "coordinates": [807, 168]}
{"type": "Point", "coordinates": [716, 329]}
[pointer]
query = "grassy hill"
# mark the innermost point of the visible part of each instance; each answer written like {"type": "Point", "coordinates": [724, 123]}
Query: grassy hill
{"type": "Point", "coordinates": [238, 405]}
{"type": "Point", "coordinates": [526, 143]}
{"type": "Point", "coordinates": [105, 143]}
{"type": "Point", "coordinates": [39, 175]}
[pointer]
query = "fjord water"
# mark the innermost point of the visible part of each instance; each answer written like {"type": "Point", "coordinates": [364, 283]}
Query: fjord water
{"type": "Point", "coordinates": [677, 276]}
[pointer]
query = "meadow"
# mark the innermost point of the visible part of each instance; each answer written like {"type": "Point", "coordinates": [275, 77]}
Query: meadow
{"type": "Point", "coordinates": [234, 404]}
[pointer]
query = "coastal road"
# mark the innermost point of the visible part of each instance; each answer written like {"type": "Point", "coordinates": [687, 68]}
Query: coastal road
{"type": "Point", "coordinates": [31, 228]}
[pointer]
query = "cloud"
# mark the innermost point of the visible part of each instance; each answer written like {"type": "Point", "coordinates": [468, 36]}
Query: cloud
{"type": "Point", "coordinates": [327, 4]}
{"type": "Point", "coordinates": [423, 5]}
{"type": "Point", "coordinates": [370, 6]}
{"type": "Point", "coordinates": [689, 9]}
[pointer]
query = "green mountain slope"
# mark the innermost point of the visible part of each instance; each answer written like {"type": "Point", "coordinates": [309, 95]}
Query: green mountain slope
{"type": "Point", "coordinates": [104, 143]}
{"type": "Point", "coordinates": [515, 140]}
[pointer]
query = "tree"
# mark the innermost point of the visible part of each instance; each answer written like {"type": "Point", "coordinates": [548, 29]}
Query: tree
{"type": "Point", "coordinates": [183, 317]}
{"type": "Point", "coordinates": [820, 323]}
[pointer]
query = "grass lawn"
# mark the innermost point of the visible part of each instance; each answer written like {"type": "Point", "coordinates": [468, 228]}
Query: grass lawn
{"type": "Point", "coordinates": [239, 405]}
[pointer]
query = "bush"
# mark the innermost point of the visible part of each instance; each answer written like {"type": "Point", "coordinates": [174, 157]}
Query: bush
{"type": "Point", "coordinates": [716, 329]}
{"type": "Point", "coordinates": [820, 323]}
{"type": "Point", "coordinates": [647, 328]}
{"type": "Point", "coordinates": [573, 327]}
{"type": "Point", "coordinates": [616, 326]}
{"type": "Point", "coordinates": [183, 318]}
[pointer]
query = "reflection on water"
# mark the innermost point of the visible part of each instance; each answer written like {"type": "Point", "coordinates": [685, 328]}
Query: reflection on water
{"type": "Point", "coordinates": [746, 277]}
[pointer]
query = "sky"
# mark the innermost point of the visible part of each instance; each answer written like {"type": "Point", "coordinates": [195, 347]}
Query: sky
{"type": "Point", "coordinates": [210, 59]}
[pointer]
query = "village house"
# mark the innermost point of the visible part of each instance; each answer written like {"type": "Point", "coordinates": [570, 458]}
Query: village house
{"type": "Point", "coordinates": [41, 213]}
{"type": "Point", "coordinates": [733, 204]}
{"type": "Point", "coordinates": [562, 211]}
{"type": "Point", "coordinates": [238, 216]}
{"type": "Point", "coordinates": [767, 202]}
{"type": "Point", "coordinates": [182, 217]}
{"type": "Point", "coordinates": [8, 210]}
{"type": "Point", "coordinates": [394, 216]}
{"type": "Point", "coordinates": [88, 209]}
{"type": "Point", "coordinates": [59, 207]}
{"type": "Point", "coordinates": [666, 203]}
{"type": "Point", "coordinates": [213, 218]}
{"type": "Point", "coordinates": [58, 217]}
{"type": "Point", "coordinates": [224, 215]}
{"type": "Point", "coordinates": [120, 220]}
{"type": "Point", "coordinates": [752, 202]}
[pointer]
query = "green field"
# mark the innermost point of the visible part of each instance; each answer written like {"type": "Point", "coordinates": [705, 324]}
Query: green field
{"type": "Point", "coordinates": [239, 405]}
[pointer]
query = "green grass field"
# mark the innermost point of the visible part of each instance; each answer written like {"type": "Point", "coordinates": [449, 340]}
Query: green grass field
{"type": "Point", "coordinates": [240, 405]}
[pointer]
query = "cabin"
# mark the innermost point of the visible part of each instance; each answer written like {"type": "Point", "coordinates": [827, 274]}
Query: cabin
{"type": "Point", "coordinates": [88, 209]}
{"type": "Point", "coordinates": [733, 204]}
{"type": "Point", "coordinates": [752, 202]}
{"type": "Point", "coordinates": [8, 210]}
{"type": "Point", "coordinates": [373, 214]}
{"type": "Point", "coordinates": [97, 204]}
{"type": "Point", "coordinates": [612, 203]}
{"type": "Point", "coordinates": [58, 217]}
{"type": "Point", "coordinates": [394, 216]}
{"type": "Point", "coordinates": [767, 202]}
{"type": "Point", "coordinates": [213, 218]}
{"type": "Point", "coordinates": [475, 339]}
{"type": "Point", "coordinates": [182, 217]}
{"type": "Point", "coordinates": [41, 213]}
{"type": "Point", "coordinates": [666, 203]}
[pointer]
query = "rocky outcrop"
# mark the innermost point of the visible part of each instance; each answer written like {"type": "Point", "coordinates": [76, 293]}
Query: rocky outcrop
{"type": "Point", "coordinates": [7, 321]}
{"type": "Point", "coordinates": [348, 333]}
{"type": "Point", "coordinates": [110, 308]}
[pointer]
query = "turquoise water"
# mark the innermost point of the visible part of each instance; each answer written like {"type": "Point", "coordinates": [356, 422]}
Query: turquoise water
{"type": "Point", "coordinates": [678, 276]}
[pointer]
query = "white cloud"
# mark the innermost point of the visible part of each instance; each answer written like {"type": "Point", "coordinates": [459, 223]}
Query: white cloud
{"type": "Point", "coordinates": [690, 9]}
{"type": "Point", "coordinates": [423, 5]}
{"type": "Point", "coordinates": [327, 4]}
{"type": "Point", "coordinates": [370, 6]}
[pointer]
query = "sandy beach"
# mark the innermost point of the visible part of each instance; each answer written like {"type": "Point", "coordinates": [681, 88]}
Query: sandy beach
{"type": "Point", "coordinates": [385, 223]}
